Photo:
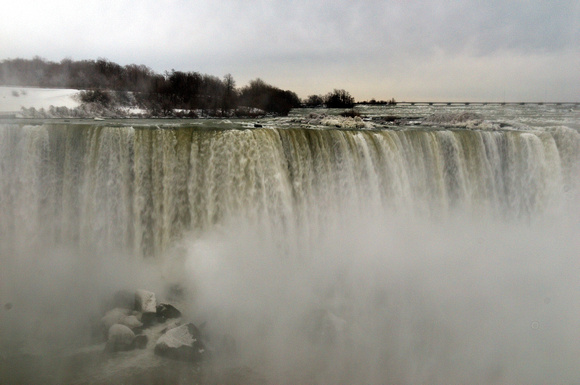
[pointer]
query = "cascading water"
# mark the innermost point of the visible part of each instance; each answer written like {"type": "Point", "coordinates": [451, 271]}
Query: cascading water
{"type": "Point", "coordinates": [139, 189]}
{"type": "Point", "coordinates": [414, 255]}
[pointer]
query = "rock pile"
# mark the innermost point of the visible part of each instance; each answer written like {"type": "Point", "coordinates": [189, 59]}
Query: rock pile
{"type": "Point", "coordinates": [131, 316]}
{"type": "Point", "coordinates": [181, 343]}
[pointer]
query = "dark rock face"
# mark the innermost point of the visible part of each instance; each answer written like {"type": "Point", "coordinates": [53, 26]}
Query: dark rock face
{"type": "Point", "coordinates": [166, 311]}
{"type": "Point", "coordinates": [148, 319]}
{"type": "Point", "coordinates": [182, 343]}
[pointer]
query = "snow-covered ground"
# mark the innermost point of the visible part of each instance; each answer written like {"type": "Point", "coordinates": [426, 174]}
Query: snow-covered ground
{"type": "Point", "coordinates": [12, 99]}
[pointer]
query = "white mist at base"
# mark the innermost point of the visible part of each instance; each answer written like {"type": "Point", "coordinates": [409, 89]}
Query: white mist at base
{"type": "Point", "coordinates": [395, 300]}
{"type": "Point", "coordinates": [52, 296]}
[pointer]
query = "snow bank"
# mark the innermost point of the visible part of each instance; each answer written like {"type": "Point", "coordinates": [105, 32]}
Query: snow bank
{"type": "Point", "coordinates": [12, 99]}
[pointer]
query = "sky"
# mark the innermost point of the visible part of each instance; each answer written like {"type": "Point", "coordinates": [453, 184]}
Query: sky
{"type": "Point", "coordinates": [436, 50]}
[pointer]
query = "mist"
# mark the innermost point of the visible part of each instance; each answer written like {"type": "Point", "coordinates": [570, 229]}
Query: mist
{"type": "Point", "coordinates": [52, 295]}
{"type": "Point", "coordinates": [371, 300]}
{"type": "Point", "coordinates": [395, 300]}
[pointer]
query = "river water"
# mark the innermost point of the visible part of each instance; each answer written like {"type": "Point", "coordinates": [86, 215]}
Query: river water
{"type": "Point", "coordinates": [419, 244]}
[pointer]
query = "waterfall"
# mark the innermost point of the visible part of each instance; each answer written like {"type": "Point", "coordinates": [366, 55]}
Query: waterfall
{"type": "Point", "coordinates": [139, 189]}
{"type": "Point", "coordinates": [415, 255]}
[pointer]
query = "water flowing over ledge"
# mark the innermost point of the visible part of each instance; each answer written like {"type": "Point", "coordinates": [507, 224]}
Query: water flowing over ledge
{"type": "Point", "coordinates": [140, 189]}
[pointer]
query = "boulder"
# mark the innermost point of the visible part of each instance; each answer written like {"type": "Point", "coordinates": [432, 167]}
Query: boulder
{"type": "Point", "coordinates": [166, 311]}
{"type": "Point", "coordinates": [120, 338]}
{"type": "Point", "coordinates": [148, 319]}
{"type": "Point", "coordinates": [182, 343]}
{"type": "Point", "coordinates": [147, 304]}
{"type": "Point", "coordinates": [145, 301]}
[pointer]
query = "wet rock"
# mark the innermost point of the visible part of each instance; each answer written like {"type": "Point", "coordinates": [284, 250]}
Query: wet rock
{"type": "Point", "coordinates": [166, 311]}
{"type": "Point", "coordinates": [182, 343]}
{"type": "Point", "coordinates": [147, 304]}
{"type": "Point", "coordinates": [148, 319]}
{"type": "Point", "coordinates": [120, 338]}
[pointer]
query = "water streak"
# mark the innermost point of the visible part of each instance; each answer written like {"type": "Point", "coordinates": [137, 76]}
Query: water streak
{"type": "Point", "coordinates": [140, 189]}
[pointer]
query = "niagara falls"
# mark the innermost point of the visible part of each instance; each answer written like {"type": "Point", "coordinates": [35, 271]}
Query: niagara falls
{"type": "Point", "coordinates": [295, 193]}
{"type": "Point", "coordinates": [432, 252]}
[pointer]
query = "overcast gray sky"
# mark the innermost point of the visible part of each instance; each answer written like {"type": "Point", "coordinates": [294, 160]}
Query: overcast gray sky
{"type": "Point", "coordinates": [409, 50]}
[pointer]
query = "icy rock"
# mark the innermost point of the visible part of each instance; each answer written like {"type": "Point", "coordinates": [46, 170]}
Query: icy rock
{"type": "Point", "coordinates": [121, 338]}
{"type": "Point", "coordinates": [165, 311]}
{"type": "Point", "coordinates": [331, 122]}
{"type": "Point", "coordinates": [182, 343]}
{"type": "Point", "coordinates": [145, 301]}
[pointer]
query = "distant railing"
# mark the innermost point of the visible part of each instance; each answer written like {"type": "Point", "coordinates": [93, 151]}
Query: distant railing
{"type": "Point", "coordinates": [487, 103]}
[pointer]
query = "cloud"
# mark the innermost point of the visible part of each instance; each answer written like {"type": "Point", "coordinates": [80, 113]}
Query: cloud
{"type": "Point", "coordinates": [296, 42]}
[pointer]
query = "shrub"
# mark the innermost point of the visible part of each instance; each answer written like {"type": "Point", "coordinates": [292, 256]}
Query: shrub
{"type": "Point", "coordinates": [339, 99]}
{"type": "Point", "coordinates": [314, 101]}
{"type": "Point", "coordinates": [95, 96]}
{"type": "Point", "coordinates": [261, 95]}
